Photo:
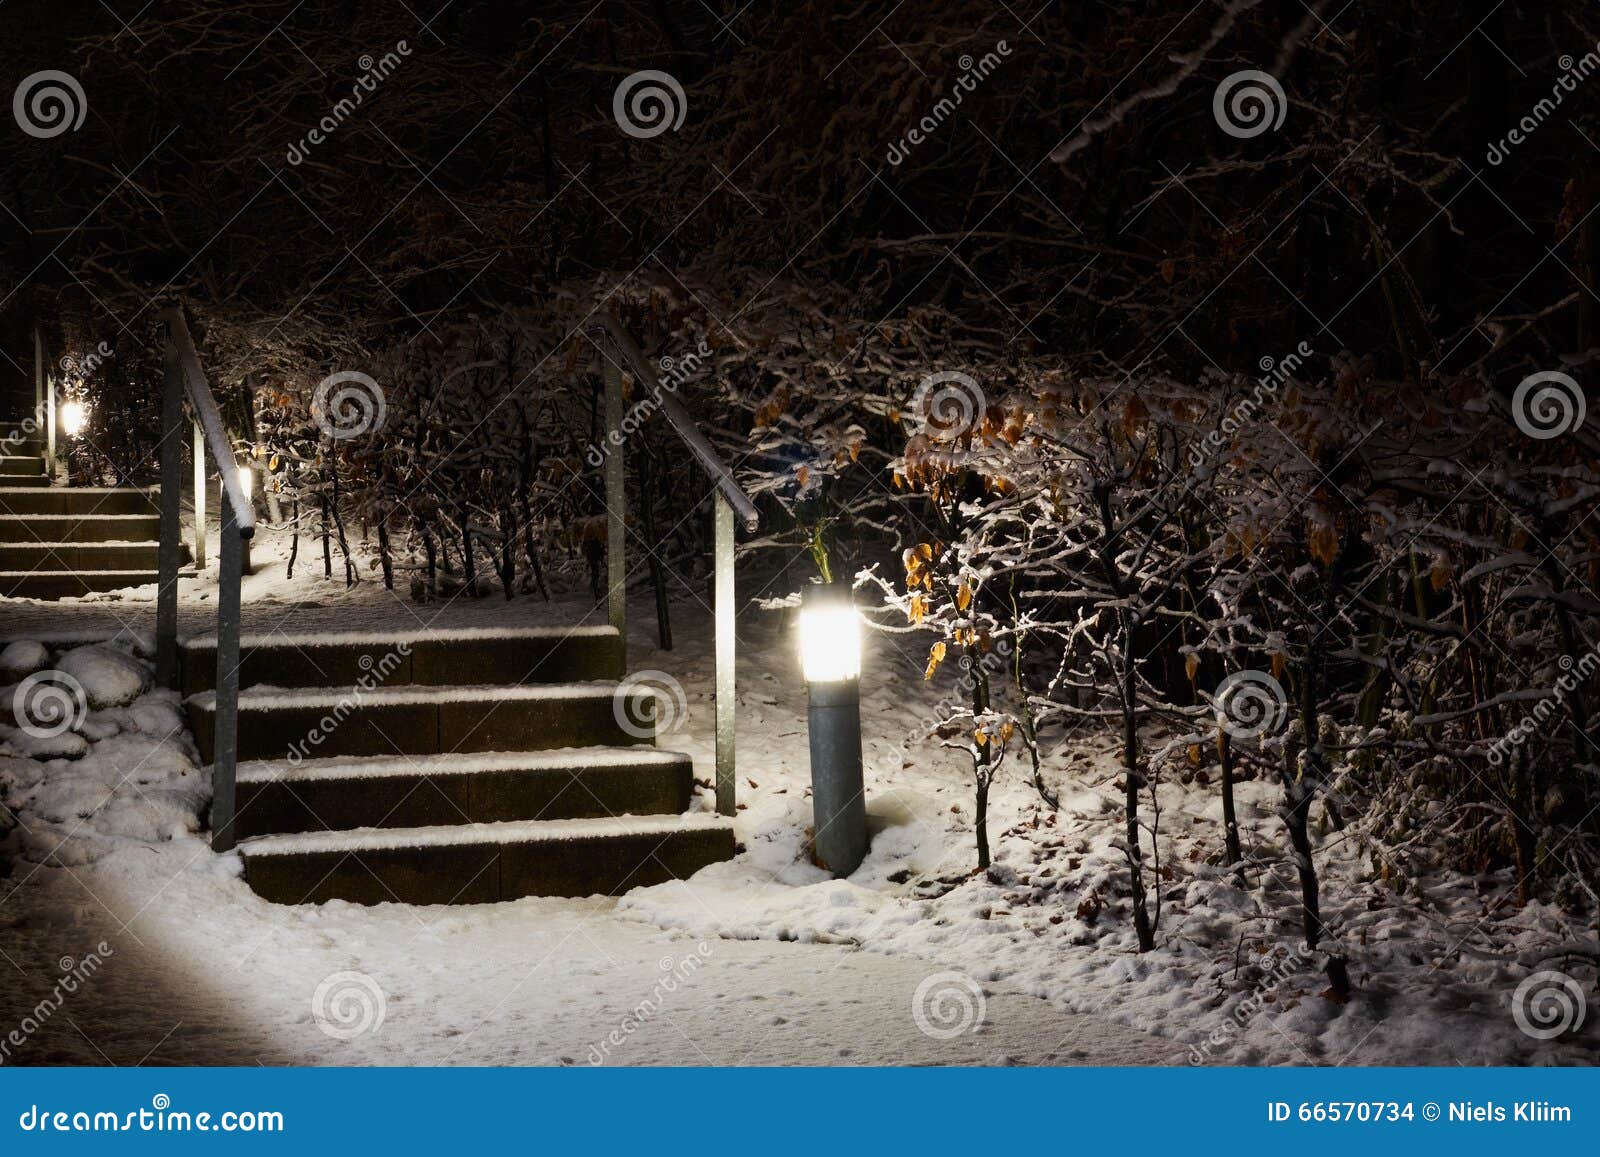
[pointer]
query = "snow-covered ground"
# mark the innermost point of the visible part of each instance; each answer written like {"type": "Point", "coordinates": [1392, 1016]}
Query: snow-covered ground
{"type": "Point", "coordinates": [761, 960]}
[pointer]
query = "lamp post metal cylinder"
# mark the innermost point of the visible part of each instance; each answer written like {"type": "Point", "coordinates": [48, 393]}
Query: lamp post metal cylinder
{"type": "Point", "coordinates": [830, 648]}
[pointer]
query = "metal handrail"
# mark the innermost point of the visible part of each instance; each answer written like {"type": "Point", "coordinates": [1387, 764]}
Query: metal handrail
{"type": "Point", "coordinates": [727, 499]}
{"type": "Point", "coordinates": [682, 424]}
{"type": "Point", "coordinates": [185, 378]}
{"type": "Point", "coordinates": [209, 417]}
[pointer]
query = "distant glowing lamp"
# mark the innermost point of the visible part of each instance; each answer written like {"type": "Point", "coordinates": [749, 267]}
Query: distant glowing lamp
{"type": "Point", "coordinates": [74, 418]}
{"type": "Point", "coordinates": [830, 657]}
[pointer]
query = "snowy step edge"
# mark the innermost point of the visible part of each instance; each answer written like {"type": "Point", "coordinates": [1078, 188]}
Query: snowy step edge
{"type": "Point", "coordinates": [288, 698]}
{"type": "Point", "coordinates": [87, 490]}
{"type": "Point", "coordinates": [308, 642]}
{"type": "Point", "coordinates": [503, 833]}
{"type": "Point", "coordinates": [77, 518]}
{"type": "Point", "coordinates": [107, 544]}
{"type": "Point", "coordinates": [136, 578]}
{"type": "Point", "coordinates": [263, 771]}
{"type": "Point", "coordinates": [143, 642]}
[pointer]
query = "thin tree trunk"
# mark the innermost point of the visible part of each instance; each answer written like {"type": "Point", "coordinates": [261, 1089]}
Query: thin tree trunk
{"type": "Point", "coordinates": [1300, 786]}
{"type": "Point", "coordinates": [1230, 821]}
{"type": "Point", "coordinates": [294, 536]}
{"type": "Point", "coordinates": [383, 553]}
{"type": "Point", "coordinates": [508, 556]}
{"type": "Point", "coordinates": [527, 469]}
{"type": "Point", "coordinates": [981, 802]}
{"type": "Point", "coordinates": [469, 561]}
{"type": "Point", "coordinates": [327, 541]}
{"type": "Point", "coordinates": [344, 544]}
{"type": "Point", "coordinates": [432, 553]}
{"type": "Point", "coordinates": [1132, 782]}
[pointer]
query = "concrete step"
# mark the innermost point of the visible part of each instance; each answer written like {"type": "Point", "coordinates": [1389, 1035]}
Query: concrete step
{"type": "Point", "coordinates": [20, 443]}
{"type": "Point", "coordinates": [24, 464]}
{"type": "Point", "coordinates": [436, 790]}
{"type": "Point", "coordinates": [483, 863]}
{"type": "Point", "coordinates": [80, 527]}
{"type": "Point", "coordinates": [79, 500]}
{"type": "Point", "coordinates": [432, 658]}
{"type": "Point", "coordinates": [381, 720]}
{"type": "Point", "coordinates": [67, 584]}
{"type": "Point", "coordinates": [79, 556]}
{"type": "Point", "coordinates": [9, 481]}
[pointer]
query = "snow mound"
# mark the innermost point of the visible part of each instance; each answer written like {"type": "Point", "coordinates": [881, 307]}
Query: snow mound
{"type": "Point", "coordinates": [123, 776]}
{"type": "Point", "coordinates": [109, 677]}
{"type": "Point", "coordinates": [21, 659]}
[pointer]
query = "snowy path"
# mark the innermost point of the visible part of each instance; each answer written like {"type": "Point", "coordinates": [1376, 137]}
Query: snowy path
{"type": "Point", "coordinates": [209, 972]}
{"type": "Point", "coordinates": [534, 982]}
{"type": "Point", "coordinates": [202, 971]}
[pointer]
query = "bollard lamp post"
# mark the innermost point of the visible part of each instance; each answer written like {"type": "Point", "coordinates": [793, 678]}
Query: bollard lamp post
{"type": "Point", "coordinates": [247, 483]}
{"type": "Point", "coordinates": [830, 658]}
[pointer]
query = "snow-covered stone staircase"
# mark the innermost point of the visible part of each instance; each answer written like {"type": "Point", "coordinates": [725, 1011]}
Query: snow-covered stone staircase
{"type": "Point", "coordinates": [455, 766]}
{"type": "Point", "coordinates": [60, 542]}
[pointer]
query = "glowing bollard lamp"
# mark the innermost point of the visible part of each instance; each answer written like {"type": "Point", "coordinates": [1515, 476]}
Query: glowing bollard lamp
{"type": "Point", "coordinates": [74, 419]}
{"type": "Point", "coordinates": [830, 656]}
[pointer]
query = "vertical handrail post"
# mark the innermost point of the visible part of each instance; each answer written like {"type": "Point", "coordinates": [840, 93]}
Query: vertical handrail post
{"type": "Point", "coordinates": [171, 532]}
{"type": "Point", "coordinates": [616, 505]}
{"type": "Point", "coordinates": [226, 717]}
{"type": "Point", "coordinates": [722, 517]}
{"type": "Point", "coordinates": [200, 498]}
{"type": "Point", "coordinates": [38, 379]}
{"type": "Point", "coordinates": [50, 427]}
